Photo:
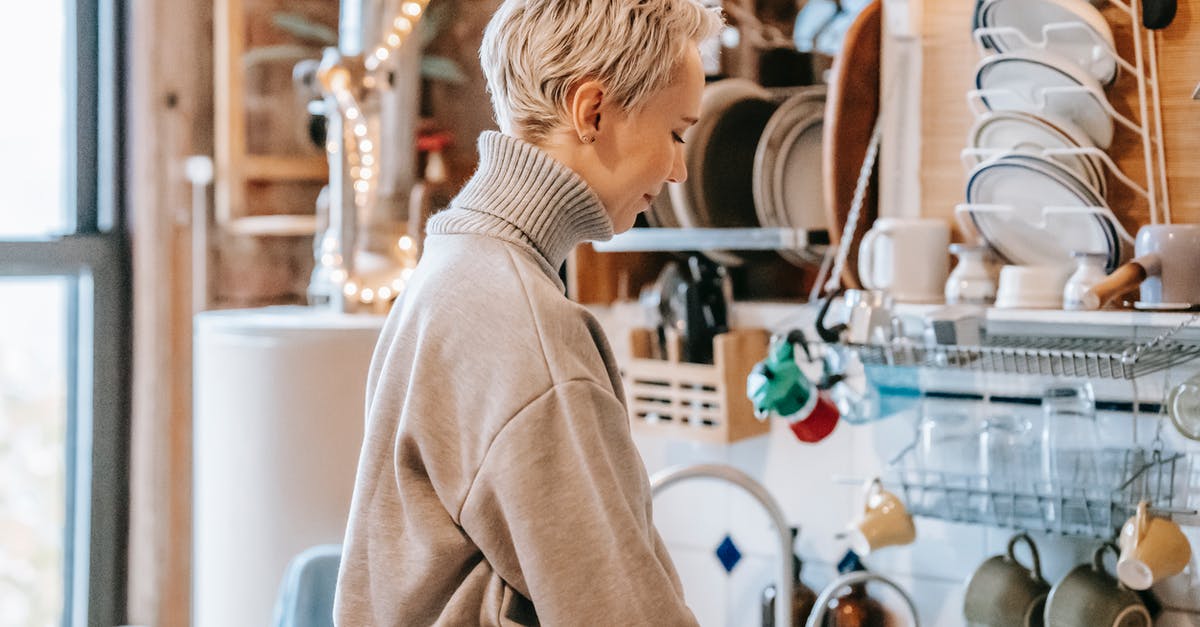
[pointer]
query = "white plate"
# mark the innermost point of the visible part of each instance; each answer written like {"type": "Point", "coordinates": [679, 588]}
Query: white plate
{"type": "Point", "coordinates": [767, 154]}
{"type": "Point", "coordinates": [1002, 131]}
{"type": "Point", "coordinates": [1115, 235]}
{"type": "Point", "coordinates": [797, 179]}
{"type": "Point", "coordinates": [769, 159]}
{"type": "Point", "coordinates": [1027, 235]}
{"type": "Point", "coordinates": [1029, 17]}
{"type": "Point", "coordinates": [1020, 79]}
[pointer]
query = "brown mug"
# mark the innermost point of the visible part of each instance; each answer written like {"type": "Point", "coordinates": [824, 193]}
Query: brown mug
{"type": "Point", "coordinates": [1091, 597]}
{"type": "Point", "coordinates": [1004, 593]}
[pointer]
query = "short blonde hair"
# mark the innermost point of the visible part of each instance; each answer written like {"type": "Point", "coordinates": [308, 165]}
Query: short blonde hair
{"type": "Point", "coordinates": [534, 51]}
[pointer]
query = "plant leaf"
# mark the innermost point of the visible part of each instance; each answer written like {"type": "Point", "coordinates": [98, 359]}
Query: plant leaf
{"type": "Point", "coordinates": [300, 26]}
{"type": "Point", "coordinates": [443, 69]}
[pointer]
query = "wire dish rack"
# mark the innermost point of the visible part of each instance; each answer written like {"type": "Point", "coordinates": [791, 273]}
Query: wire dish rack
{"type": "Point", "coordinates": [1091, 357]}
{"type": "Point", "coordinates": [1095, 499]}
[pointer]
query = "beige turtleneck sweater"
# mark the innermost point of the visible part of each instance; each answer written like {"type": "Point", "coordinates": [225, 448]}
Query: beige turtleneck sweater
{"type": "Point", "coordinates": [498, 483]}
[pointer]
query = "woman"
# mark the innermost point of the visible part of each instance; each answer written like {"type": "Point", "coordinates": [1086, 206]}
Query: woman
{"type": "Point", "coordinates": [498, 483]}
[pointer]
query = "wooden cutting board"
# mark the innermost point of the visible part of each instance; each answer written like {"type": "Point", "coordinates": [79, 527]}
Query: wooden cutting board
{"type": "Point", "coordinates": [850, 112]}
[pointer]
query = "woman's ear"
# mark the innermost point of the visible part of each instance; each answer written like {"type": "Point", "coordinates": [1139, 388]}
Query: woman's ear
{"type": "Point", "coordinates": [586, 102]}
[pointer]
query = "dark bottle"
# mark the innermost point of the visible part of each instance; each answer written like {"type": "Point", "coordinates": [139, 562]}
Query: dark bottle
{"type": "Point", "coordinates": [854, 608]}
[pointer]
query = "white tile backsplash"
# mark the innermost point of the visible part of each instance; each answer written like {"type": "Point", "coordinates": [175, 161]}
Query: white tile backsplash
{"type": "Point", "coordinates": [816, 488]}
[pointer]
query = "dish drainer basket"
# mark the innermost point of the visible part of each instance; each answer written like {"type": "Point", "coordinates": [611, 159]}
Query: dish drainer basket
{"type": "Point", "coordinates": [1108, 358]}
{"type": "Point", "coordinates": [1096, 507]}
{"type": "Point", "coordinates": [702, 402]}
{"type": "Point", "coordinates": [1043, 355]}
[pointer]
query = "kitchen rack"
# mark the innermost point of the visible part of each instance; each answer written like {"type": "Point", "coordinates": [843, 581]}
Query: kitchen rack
{"type": "Point", "coordinates": [1169, 482]}
{"type": "Point", "coordinates": [701, 402]}
{"type": "Point", "coordinates": [1032, 355]}
{"type": "Point", "coordinates": [1044, 354]}
{"type": "Point", "coordinates": [686, 239]}
{"type": "Point", "coordinates": [1155, 190]}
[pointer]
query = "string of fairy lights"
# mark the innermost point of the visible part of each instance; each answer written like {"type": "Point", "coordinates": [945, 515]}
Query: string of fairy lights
{"type": "Point", "coordinates": [362, 158]}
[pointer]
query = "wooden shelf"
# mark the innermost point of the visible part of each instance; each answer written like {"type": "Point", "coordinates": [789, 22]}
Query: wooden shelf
{"type": "Point", "coordinates": [273, 168]}
{"type": "Point", "coordinates": [263, 163]}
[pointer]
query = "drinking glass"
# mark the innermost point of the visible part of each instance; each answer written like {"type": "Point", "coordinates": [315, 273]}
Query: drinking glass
{"type": "Point", "coordinates": [1070, 445]}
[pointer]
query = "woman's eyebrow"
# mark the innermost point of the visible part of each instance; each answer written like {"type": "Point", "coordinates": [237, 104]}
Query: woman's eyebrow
{"type": "Point", "coordinates": [689, 119]}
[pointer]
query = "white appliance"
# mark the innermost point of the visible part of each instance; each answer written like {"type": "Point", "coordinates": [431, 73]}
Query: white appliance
{"type": "Point", "coordinates": [277, 428]}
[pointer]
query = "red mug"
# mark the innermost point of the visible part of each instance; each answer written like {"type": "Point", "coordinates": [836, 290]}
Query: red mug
{"type": "Point", "coordinates": [816, 420]}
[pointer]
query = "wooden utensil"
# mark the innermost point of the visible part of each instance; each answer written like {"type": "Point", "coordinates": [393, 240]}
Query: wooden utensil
{"type": "Point", "coordinates": [851, 108]}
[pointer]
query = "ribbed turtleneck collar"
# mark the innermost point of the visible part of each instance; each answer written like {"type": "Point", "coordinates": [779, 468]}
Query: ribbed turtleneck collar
{"type": "Point", "coordinates": [521, 194]}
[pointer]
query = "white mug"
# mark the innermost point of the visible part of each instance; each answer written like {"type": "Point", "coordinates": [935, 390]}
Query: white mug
{"type": "Point", "coordinates": [907, 257]}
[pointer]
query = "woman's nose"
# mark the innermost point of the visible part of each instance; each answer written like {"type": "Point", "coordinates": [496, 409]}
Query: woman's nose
{"type": "Point", "coordinates": [678, 168]}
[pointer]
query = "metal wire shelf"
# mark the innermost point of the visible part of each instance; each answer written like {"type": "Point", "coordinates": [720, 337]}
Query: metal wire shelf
{"type": "Point", "coordinates": [1066, 357]}
{"type": "Point", "coordinates": [1092, 357]}
{"type": "Point", "coordinates": [1094, 508]}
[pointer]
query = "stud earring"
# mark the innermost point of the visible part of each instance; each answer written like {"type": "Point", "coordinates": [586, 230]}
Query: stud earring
{"type": "Point", "coordinates": [588, 139]}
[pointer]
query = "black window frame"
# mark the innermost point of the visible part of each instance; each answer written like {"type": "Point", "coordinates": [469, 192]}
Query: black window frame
{"type": "Point", "coordinates": [94, 258]}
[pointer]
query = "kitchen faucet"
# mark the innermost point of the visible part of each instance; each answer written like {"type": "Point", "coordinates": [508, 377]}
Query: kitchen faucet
{"type": "Point", "coordinates": [729, 474]}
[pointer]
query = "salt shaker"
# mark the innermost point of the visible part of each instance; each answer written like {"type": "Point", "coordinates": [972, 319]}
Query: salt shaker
{"type": "Point", "coordinates": [970, 283]}
{"type": "Point", "coordinates": [1089, 270]}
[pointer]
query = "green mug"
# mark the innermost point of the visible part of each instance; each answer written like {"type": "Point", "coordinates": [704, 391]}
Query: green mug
{"type": "Point", "coordinates": [1004, 593]}
{"type": "Point", "coordinates": [1089, 596]}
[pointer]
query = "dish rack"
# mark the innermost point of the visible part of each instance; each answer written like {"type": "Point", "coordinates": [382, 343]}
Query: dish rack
{"type": "Point", "coordinates": [1096, 358]}
{"type": "Point", "coordinates": [1044, 355]}
{"type": "Point", "coordinates": [1090, 492]}
{"type": "Point", "coordinates": [1022, 500]}
{"type": "Point", "coordinates": [1148, 127]}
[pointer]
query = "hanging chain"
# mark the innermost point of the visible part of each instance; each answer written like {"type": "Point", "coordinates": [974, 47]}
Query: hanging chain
{"type": "Point", "coordinates": [856, 203]}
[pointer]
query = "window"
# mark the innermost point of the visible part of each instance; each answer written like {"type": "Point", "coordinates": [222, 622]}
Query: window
{"type": "Point", "coordinates": [64, 319]}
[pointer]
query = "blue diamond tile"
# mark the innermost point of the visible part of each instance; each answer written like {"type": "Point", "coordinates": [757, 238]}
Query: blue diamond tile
{"type": "Point", "coordinates": [728, 553]}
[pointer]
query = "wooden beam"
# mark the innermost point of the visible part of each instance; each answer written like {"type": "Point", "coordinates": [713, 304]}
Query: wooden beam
{"type": "Point", "coordinates": [169, 117]}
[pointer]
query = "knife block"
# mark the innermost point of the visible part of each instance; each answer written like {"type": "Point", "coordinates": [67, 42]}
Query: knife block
{"type": "Point", "coordinates": [701, 402]}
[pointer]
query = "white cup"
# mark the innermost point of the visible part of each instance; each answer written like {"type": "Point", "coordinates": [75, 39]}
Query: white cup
{"type": "Point", "coordinates": [1031, 287]}
{"type": "Point", "coordinates": [907, 257]}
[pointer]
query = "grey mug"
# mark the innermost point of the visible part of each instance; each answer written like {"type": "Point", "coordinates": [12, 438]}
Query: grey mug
{"type": "Point", "coordinates": [1004, 593]}
{"type": "Point", "coordinates": [1089, 596]}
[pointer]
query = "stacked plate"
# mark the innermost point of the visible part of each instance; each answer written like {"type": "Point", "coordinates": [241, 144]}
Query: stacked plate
{"type": "Point", "coordinates": [1043, 87]}
{"type": "Point", "coordinates": [787, 183]}
{"type": "Point", "coordinates": [753, 160]}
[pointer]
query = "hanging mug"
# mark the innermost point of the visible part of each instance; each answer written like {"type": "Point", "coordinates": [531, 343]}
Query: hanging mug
{"type": "Point", "coordinates": [1152, 549]}
{"type": "Point", "coordinates": [884, 522]}
{"type": "Point", "coordinates": [1004, 593]}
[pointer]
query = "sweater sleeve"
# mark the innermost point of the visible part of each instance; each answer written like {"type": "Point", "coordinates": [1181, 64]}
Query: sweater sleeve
{"type": "Point", "coordinates": [561, 510]}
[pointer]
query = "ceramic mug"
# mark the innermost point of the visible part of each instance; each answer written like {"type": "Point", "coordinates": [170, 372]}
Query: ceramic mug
{"type": "Point", "coordinates": [1170, 253]}
{"type": "Point", "coordinates": [1166, 266]}
{"type": "Point", "coordinates": [1091, 597]}
{"type": "Point", "coordinates": [1004, 593]}
{"type": "Point", "coordinates": [884, 522]}
{"type": "Point", "coordinates": [907, 257]}
{"type": "Point", "coordinates": [1152, 549]}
